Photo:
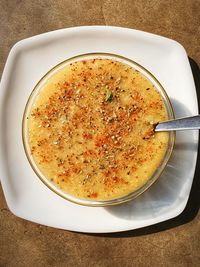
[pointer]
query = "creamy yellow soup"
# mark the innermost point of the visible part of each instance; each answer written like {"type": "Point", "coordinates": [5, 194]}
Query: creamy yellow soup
{"type": "Point", "coordinates": [90, 129]}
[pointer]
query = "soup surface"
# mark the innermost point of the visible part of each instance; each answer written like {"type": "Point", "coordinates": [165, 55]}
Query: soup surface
{"type": "Point", "coordinates": [90, 129]}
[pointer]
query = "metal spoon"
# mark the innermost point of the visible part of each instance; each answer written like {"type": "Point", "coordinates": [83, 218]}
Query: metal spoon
{"type": "Point", "coordinates": [188, 123]}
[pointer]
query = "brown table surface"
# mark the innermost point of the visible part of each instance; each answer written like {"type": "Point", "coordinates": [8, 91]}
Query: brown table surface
{"type": "Point", "coordinates": [172, 243]}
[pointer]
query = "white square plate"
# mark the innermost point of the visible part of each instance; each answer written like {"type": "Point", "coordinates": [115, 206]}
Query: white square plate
{"type": "Point", "coordinates": [26, 196]}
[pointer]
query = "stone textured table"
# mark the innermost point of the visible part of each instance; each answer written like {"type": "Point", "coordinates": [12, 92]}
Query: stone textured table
{"type": "Point", "coordinates": [172, 243]}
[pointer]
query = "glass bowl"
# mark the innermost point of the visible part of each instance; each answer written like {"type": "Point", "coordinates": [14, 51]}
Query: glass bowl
{"type": "Point", "coordinates": [39, 87]}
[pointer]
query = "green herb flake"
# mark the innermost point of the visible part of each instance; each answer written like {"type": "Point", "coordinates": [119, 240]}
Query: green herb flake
{"type": "Point", "coordinates": [109, 96]}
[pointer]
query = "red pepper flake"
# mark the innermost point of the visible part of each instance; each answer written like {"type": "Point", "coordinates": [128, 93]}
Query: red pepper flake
{"type": "Point", "coordinates": [87, 136]}
{"type": "Point", "coordinates": [93, 195]}
{"type": "Point", "coordinates": [100, 140]}
{"type": "Point", "coordinates": [122, 114]}
{"type": "Point", "coordinates": [137, 96]}
{"type": "Point", "coordinates": [89, 152]}
{"type": "Point", "coordinates": [107, 173]}
{"type": "Point", "coordinates": [65, 174]}
{"type": "Point", "coordinates": [76, 169]}
{"type": "Point", "coordinates": [65, 84]}
{"type": "Point", "coordinates": [33, 149]}
{"type": "Point", "coordinates": [110, 182]}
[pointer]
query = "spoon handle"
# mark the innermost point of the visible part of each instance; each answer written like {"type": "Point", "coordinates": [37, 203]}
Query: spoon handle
{"type": "Point", "coordinates": [188, 123]}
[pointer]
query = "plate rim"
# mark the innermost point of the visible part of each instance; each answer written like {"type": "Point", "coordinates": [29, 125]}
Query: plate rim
{"type": "Point", "coordinates": [17, 48]}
